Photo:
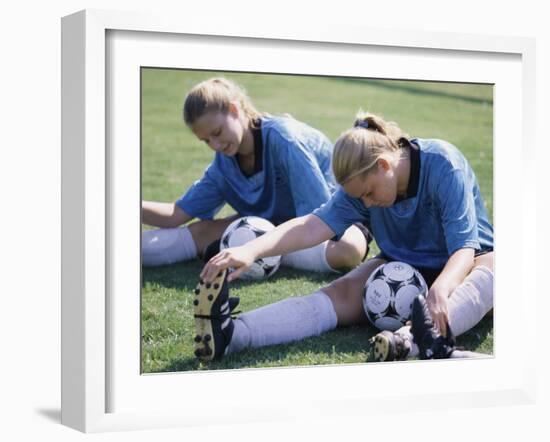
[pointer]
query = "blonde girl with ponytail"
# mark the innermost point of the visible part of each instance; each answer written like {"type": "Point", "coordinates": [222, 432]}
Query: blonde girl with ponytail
{"type": "Point", "coordinates": [422, 203]}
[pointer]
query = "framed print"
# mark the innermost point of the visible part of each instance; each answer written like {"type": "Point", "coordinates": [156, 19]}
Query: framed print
{"type": "Point", "coordinates": [111, 61]}
{"type": "Point", "coordinates": [173, 159]}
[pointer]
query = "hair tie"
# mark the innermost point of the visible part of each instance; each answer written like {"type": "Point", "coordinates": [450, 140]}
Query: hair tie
{"type": "Point", "coordinates": [362, 123]}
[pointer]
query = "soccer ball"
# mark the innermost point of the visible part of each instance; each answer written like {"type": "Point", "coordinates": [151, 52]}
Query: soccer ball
{"type": "Point", "coordinates": [389, 294]}
{"type": "Point", "coordinates": [246, 229]}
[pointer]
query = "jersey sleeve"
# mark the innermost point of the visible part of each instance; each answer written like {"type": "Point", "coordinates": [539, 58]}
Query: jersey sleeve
{"type": "Point", "coordinates": [203, 199]}
{"type": "Point", "coordinates": [341, 212]}
{"type": "Point", "coordinates": [457, 209]}
{"type": "Point", "coordinates": [307, 183]}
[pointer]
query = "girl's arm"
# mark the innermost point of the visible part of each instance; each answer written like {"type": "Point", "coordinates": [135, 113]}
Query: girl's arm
{"type": "Point", "coordinates": [457, 268]}
{"type": "Point", "coordinates": [163, 214]}
{"type": "Point", "coordinates": [296, 234]}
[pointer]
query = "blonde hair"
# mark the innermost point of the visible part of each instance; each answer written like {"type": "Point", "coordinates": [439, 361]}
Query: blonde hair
{"type": "Point", "coordinates": [357, 150]}
{"type": "Point", "coordinates": [215, 95]}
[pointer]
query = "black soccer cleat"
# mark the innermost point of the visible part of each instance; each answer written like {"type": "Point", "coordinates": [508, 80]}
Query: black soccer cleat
{"type": "Point", "coordinates": [212, 250]}
{"type": "Point", "coordinates": [431, 343]}
{"type": "Point", "coordinates": [388, 346]}
{"type": "Point", "coordinates": [213, 322]}
{"type": "Point", "coordinates": [233, 303]}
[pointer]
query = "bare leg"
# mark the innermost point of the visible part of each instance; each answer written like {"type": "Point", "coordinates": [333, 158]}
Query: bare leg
{"type": "Point", "coordinates": [205, 232]}
{"type": "Point", "coordinates": [346, 293]}
{"type": "Point", "coordinates": [296, 318]}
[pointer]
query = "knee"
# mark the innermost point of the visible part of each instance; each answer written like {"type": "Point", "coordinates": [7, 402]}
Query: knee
{"type": "Point", "coordinates": [344, 292]}
{"type": "Point", "coordinates": [347, 301]}
{"type": "Point", "coordinates": [203, 233]}
{"type": "Point", "coordinates": [486, 260]}
{"type": "Point", "coordinates": [200, 228]}
{"type": "Point", "coordinates": [337, 288]}
{"type": "Point", "coordinates": [345, 254]}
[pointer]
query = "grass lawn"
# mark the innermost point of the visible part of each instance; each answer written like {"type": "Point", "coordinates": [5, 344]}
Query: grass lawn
{"type": "Point", "coordinates": [172, 158]}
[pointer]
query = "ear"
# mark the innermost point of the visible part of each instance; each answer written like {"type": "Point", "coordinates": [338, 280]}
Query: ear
{"type": "Point", "coordinates": [383, 164]}
{"type": "Point", "coordinates": [234, 109]}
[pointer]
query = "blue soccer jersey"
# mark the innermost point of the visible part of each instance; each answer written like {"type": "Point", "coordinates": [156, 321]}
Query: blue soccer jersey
{"type": "Point", "coordinates": [295, 176]}
{"type": "Point", "coordinates": [444, 214]}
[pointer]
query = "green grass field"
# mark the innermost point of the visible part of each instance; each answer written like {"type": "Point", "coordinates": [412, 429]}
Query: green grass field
{"type": "Point", "coordinates": [172, 159]}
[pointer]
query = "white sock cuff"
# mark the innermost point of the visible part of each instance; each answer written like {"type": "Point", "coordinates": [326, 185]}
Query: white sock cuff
{"type": "Point", "coordinates": [312, 259]}
{"type": "Point", "coordinates": [325, 308]}
{"type": "Point", "coordinates": [471, 300]}
{"type": "Point", "coordinates": [291, 319]}
{"type": "Point", "coordinates": [484, 272]}
{"type": "Point", "coordinates": [167, 246]}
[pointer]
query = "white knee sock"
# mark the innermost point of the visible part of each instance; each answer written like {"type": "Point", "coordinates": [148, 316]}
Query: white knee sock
{"type": "Point", "coordinates": [167, 246]}
{"type": "Point", "coordinates": [471, 300]}
{"type": "Point", "coordinates": [285, 321]}
{"type": "Point", "coordinates": [467, 305]}
{"type": "Point", "coordinates": [313, 259]}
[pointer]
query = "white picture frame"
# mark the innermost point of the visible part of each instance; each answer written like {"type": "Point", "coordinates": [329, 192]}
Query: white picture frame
{"type": "Point", "coordinates": [90, 172]}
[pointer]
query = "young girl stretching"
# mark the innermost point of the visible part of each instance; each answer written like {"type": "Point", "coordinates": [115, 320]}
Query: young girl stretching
{"type": "Point", "coordinates": [421, 201]}
{"type": "Point", "coordinates": [272, 167]}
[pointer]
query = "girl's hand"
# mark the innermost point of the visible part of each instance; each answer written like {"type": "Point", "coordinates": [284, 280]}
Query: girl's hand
{"type": "Point", "coordinates": [239, 258]}
{"type": "Point", "coordinates": [437, 303]}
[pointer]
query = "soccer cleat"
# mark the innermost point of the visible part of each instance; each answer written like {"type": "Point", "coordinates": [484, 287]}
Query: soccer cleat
{"type": "Point", "coordinates": [213, 323]}
{"type": "Point", "coordinates": [388, 346]}
{"type": "Point", "coordinates": [212, 250]}
{"type": "Point", "coordinates": [233, 303]}
{"type": "Point", "coordinates": [431, 344]}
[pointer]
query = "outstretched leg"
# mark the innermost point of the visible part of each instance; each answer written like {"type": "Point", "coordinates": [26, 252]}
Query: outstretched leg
{"type": "Point", "coordinates": [170, 245]}
{"type": "Point", "coordinates": [292, 319]}
{"type": "Point", "coordinates": [289, 320]}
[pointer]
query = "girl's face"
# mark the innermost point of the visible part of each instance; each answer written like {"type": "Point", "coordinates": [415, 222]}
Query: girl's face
{"type": "Point", "coordinates": [378, 188]}
{"type": "Point", "coordinates": [223, 132]}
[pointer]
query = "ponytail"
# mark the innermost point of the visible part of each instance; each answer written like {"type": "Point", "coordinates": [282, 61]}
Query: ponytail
{"type": "Point", "coordinates": [357, 150]}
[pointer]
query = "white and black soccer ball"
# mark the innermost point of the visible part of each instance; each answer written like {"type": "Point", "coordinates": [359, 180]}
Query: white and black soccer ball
{"type": "Point", "coordinates": [246, 229]}
{"type": "Point", "coordinates": [389, 294]}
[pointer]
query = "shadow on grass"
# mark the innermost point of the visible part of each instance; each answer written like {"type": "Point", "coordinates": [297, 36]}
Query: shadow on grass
{"type": "Point", "coordinates": [411, 89]}
{"type": "Point", "coordinates": [185, 276]}
{"type": "Point", "coordinates": [181, 276]}
{"type": "Point", "coordinates": [344, 345]}
{"type": "Point", "coordinates": [476, 336]}
{"type": "Point", "coordinates": [336, 347]}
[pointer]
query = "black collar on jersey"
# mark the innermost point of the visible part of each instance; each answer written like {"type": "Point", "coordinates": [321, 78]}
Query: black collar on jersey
{"type": "Point", "coordinates": [258, 148]}
{"type": "Point", "coordinates": [414, 177]}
